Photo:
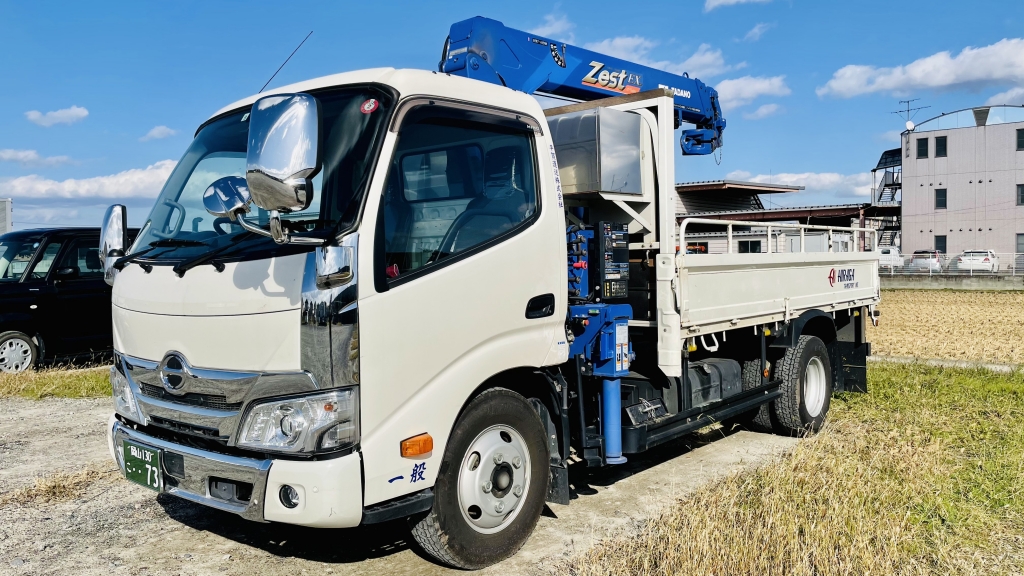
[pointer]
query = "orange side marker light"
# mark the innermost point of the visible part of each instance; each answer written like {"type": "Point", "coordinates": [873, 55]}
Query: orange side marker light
{"type": "Point", "coordinates": [417, 445]}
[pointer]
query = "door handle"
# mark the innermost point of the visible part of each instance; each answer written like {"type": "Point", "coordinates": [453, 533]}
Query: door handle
{"type": "Point", "coordinates": [540, 306]}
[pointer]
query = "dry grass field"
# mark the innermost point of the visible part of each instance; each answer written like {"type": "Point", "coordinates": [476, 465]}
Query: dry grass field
{"type": "Point", "coordinates": [922, 475]}
{"type": "Point", "coordinates": [57, 383]}
{"type": "Point", "coordinates": [957, 325]}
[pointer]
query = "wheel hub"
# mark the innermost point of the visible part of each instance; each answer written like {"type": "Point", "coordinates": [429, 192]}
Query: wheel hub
{"type": "Point", "coordinates": [15, 356]}
{"type": "Point", "coordinates": [494, 478]}
{"type": "Point", "coordinates": [814, 387]}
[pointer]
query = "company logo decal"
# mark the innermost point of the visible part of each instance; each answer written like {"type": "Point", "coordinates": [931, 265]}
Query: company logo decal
{"type": "Point", "coordinates": [844, 276]}
{"type": "Point", "coordinates": [621, 81]}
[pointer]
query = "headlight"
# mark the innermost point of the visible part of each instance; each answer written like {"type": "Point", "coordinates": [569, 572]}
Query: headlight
{"type": "Point", "coordinates": [323, 421]}
{"type": "Point", "coordinates": [124, 398]}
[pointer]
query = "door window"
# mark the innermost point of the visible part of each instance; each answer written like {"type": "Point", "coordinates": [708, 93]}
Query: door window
{"type": "Point", "coordinates": [84, 254]}
{"type": "Point", "coordinates": [45, 262]}
{"type": "Point", "coordinates": [457, 183]}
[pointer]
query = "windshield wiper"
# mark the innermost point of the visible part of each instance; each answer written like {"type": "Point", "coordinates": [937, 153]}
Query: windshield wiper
{"type": "Point", "coordinates": [123, 261]}
{"type": "Point", "coordinates": [187, 265]}
{"type": "Point", "coordinates": [176, 243]}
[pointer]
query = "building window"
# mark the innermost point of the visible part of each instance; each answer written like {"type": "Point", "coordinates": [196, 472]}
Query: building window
{"type": "Point", "coordinates": [940, 198]}
{"type": "Point", "coordinates": [1020, 194]}
{"type": "Point", "coordinates": [922, 147]}
{"type": "Point", "coordinates": [1020, 139]}
{"type": "Point", "coordinates": [750, 246]}
{"type": "Point", "coordinates": [940, 244]}
{"type": "Point", "coordinates": [940, 146]}
{"type": "Point", "coordinates": [1020, 243]}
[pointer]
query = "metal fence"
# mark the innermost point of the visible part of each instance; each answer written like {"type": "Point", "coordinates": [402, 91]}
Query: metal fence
{"type": "Point", "coordinates": [1003, 264]}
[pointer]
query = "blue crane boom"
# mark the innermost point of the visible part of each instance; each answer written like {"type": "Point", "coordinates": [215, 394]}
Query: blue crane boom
{"type": "Point", "coordinates": [487, 50]}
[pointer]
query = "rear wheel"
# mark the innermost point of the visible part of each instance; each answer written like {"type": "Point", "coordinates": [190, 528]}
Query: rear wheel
{"type": "Point", "coordinates": [492, 482]}
{"type": "Point", "coordinates": [17, 352]}
{"type": "Point", "coordinates": [806, 375]}
{"type": "Point", "coordinates": [756, 418]}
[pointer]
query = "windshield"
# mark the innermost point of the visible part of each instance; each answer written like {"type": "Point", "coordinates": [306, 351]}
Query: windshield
{"type": "Point", "coordinates": [182, 229]}
{"type": "Point", "coordinates": [15, 256]}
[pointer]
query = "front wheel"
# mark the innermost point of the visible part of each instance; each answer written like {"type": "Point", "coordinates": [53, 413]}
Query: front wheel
{"type": "Point", "coordinates": [17, 352]}
{"type": "Point", "coordinates": [806, 375]}
{"type": "Point", "coordinates": [492, 483]}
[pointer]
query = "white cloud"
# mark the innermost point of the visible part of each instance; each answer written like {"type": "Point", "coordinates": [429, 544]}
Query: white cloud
{"type": "Point", "coordinates": [742, 91]}
{"type": "Point", "coordinates": [557, 27]}
{"type": "Point", "coordinates": [999, 63]}
{"type": "Point", "coordinates": [764, 111]}
{"type": "Point", "coordinates": [710, 5]}
{"type": "Point", "coordinates": [158, 132]}
{"type": "Point", "coordinates": [31, 158]}
{"type": "Point", "coordinates": [891, 136]}
{"type": "Point", "coordinates": [1013, 96]}
{"type": "Point", "coordinates": [33, 216]}
{"type": "Point", "coordinates": [757, 31]}
{"type": "Point", "coordinates": [62, 116]}
{"type": "Point", "coordinates": [830, 183]}
{"type": "Point", "coordinates": [134, 183]}
{"type": "Point", "coordinates": [703, 63]}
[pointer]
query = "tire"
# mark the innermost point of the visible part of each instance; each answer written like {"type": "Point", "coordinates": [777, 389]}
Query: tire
{"type": "Point", "coordinates": [17, 352]}
{"type": "Point", "coordinates": [758, 418]}
{"type": "Point", "coordinates": [806, 386]}
{"type": "Point", "coordinates": [467, 527]}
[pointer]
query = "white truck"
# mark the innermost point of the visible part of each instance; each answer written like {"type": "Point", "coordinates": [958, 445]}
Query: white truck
{"type": "Point", "coordinates": [401, 293]}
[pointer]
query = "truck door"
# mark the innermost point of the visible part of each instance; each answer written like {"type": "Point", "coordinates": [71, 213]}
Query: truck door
{"type": "Point", "coordinates": [469, 263]}
{"type": "Point", "coordinates": [83, 298]}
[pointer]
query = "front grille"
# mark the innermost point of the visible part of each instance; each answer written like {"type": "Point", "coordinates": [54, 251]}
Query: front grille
{"type": "Point", "coordinates": [212, 401]}
{"type": "Point", "coordinates": [192, 429]}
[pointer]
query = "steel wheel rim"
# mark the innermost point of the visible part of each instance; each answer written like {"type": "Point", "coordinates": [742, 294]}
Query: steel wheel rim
{"type": "Point", "coordinates": [15, 356]}
{"type": "Point", "coordinates": [814, 387]}
{"type": "Point", "coordinates": [497, 454]}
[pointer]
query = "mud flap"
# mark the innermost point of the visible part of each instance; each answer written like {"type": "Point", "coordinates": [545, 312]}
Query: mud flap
{"type": "Point", "coordinates": [558, 478]}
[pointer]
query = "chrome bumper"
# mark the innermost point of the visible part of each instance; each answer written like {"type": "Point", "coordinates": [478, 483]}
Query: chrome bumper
{"type": "Point", "coordinates": [200, 466]}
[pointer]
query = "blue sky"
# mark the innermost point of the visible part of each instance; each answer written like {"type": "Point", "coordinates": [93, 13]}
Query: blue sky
{"type": "Point", "coordinates": [98, 103]}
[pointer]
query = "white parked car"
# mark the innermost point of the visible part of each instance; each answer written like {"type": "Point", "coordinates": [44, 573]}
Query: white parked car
{"type": "Point", "coordinates": [890, 257]}
{"type": "Point", "coordinates": [927, 260]}
{"type": "Point", "coordinates": [978, 260]}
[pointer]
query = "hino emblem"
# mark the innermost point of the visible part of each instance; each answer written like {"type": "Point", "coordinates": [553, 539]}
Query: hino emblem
{"type": "Point", "coordinates": [173, 370]}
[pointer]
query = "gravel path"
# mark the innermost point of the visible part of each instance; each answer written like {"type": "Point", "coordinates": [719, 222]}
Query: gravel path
{"type": "Point", "coordinates": [119, 528]}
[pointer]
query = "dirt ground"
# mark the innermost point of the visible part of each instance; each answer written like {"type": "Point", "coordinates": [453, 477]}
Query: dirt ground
{"type": "Point", "coordinates": [114, 527]}
{"type": "Point", "coordinates": [977, 326]}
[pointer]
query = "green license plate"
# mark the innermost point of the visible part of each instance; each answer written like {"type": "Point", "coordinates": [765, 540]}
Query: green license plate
{"type": "Point", "coordinates": [142, 466]}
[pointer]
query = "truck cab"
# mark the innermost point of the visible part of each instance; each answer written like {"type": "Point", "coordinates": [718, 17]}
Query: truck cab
{"type": "Point", "coordinates": [378, 295]}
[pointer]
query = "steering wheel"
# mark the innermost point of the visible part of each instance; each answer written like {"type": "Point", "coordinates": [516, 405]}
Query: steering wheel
{"type": "Point", "coordinates": [449, 238]}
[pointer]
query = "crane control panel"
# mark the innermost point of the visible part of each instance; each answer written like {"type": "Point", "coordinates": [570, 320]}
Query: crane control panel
{"type": "Point", "coordinates": [598, 261]}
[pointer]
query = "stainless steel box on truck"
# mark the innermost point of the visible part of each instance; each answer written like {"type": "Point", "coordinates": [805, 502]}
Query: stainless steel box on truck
{"type": "Point", "coordinates": [598, 151]}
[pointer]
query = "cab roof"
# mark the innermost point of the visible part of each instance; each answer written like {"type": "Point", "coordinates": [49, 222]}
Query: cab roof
{"type": "Point", "coordinates": [408, 82]}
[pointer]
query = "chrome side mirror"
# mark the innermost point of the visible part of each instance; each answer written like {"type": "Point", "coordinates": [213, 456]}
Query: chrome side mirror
{"type": "Point", "coordinates": [284, 151]}
{"type": "Point", "coordinates": [113, 239]}
{"type": "Point", "coordinates": [228, 197]}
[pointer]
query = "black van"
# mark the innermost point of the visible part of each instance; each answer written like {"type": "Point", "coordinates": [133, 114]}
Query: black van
{"type": "Point", "coordinates": [54, 304]}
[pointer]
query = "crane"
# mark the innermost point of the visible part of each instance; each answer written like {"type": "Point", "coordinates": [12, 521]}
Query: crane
{"type": "Point", "coordinates": [485, 49]}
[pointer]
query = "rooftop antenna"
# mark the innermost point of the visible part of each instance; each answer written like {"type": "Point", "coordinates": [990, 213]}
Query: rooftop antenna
{"type": "Point", "coordinates": [286, 61]}
{"type": "Point", "coordinates": [909, 113]}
